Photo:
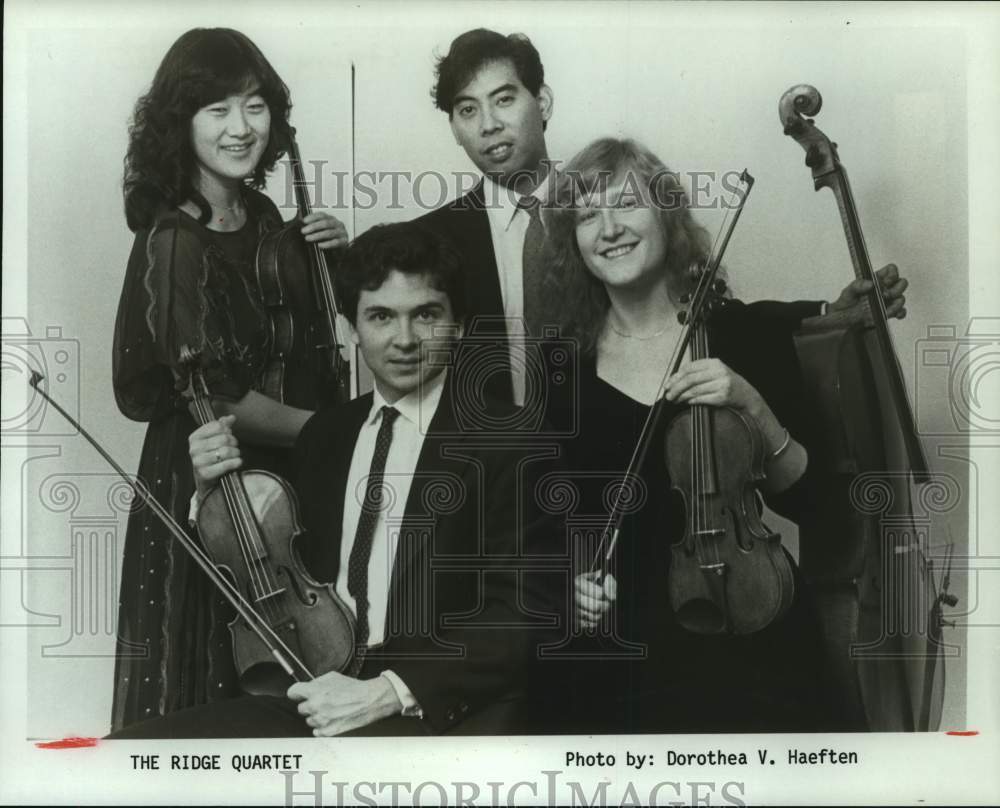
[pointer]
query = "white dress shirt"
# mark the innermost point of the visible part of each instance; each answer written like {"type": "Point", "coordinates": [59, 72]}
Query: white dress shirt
{"type": "Point", "coordinates": [408, 432]}
{"type": "Point", "coordinates": [508, 227]}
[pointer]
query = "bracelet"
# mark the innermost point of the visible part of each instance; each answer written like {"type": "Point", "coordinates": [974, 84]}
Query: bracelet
{"type": "Point", "coordinates": [783, 448]}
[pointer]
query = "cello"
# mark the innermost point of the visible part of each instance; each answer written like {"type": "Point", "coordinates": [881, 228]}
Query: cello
{"type": "Point", "coordinates": [306, 366]}
{"type": "Point", "coordinates": [863, 546]}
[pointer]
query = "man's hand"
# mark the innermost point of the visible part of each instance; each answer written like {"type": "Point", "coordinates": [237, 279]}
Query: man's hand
{"type": "Point", "coordinates": [852, 300]}
{"type": "Point", "coordinates": [334, 703]}
{"type": "Point", "coordinates": [214, 451]}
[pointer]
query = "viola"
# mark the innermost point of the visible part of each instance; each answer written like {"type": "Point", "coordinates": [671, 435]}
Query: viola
{"type": "Point", "coordinates": [879, 606]}
{"type": "Point", "coordinates": [270, 641]}
{"type": "Point", "coordinates": [249, 524]}
{"type": "Point", "coordinates": [728, 573]}
{"type": "Point", "coordinates": [306, 366]}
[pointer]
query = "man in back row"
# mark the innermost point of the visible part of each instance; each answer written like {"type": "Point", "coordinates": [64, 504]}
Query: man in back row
{"type": "Point", "coordinates": [493, 89]}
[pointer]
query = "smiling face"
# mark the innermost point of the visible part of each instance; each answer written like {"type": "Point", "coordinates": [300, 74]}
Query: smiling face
{"type": "Point", "coordinates": [620, 235]}
{"type": "Point", "coordinates": [228, 138]}
{"type": "Point", "coordinates": [498, 122]}
{"type": "Point", "coordinates": [396, 327]}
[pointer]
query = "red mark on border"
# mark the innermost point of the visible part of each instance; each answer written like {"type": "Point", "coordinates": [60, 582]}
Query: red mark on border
{"type": "Point", "coordinates": [68, 743]}
{"type": "Point", "coordinates": [963, 733]}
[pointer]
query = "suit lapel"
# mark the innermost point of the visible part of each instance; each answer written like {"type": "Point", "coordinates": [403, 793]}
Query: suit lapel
{"type": "Point", "coordinates": [327, 485]}
{"type": "Point", "coordinates": [433, 470]}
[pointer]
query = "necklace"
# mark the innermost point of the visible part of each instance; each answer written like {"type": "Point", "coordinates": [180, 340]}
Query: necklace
{"type": "Point", "coordinates": [633, 336]}
{"type": "Point", "coordinates": [230, 208]}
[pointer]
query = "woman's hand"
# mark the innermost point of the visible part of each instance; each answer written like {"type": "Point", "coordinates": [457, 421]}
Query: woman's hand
{"type": "Point", "coordinates": [710, 381]}
{"type": "Point", "coordinates": [214, 452]}
{"type": "Point", "coordinates": [325, 229]}
{"type": "Point", "coordinates": [593, 598]}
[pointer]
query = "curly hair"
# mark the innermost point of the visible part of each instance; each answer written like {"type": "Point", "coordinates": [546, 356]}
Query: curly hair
{"type": "Point", "coordinates": [571, 296]}
{"type": "Point", "coordinates": [473, 49]}
{"type": "Point", "coordinates": [204, 66]}
{"type": "Point", "coordinates": [404, 247]}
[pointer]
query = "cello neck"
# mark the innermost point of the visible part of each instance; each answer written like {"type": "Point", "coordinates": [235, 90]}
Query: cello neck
{"type": "Point", "coordinates": [838, 183]}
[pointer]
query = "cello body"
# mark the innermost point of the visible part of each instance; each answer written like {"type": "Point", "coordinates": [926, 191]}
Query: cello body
{"type": "Point", "coordinates": [861, 548]}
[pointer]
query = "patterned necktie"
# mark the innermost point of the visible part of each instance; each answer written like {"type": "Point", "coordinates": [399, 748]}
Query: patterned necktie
{"type": "Point", "coordinates": [361, 552]}
{"type": "Point", "coordinates": [531, 263]}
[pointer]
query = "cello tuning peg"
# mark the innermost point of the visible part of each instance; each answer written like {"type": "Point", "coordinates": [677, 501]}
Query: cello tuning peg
{"type": "Point", "coordinates": [682, 317]}
{"type": "Point", "coordinates": [719, 286]}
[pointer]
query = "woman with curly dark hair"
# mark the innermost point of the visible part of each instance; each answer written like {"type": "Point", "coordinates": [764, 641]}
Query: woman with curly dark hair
{"type": "Point", "coordinates": [623, 245]}
{"type": "Point", "coordinates": [201, 143]}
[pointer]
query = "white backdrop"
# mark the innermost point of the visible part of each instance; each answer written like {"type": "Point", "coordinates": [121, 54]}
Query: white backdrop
{"type": "Point", "coordinates": [905, 90]}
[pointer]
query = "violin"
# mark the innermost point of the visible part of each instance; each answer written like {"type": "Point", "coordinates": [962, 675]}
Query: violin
{"type": "Point", "coordinates": [306, 366]}
{"type": "Point", "coordinates": [249, 524]}
{"type": "Point", "coordinates": [728, 573]}
{"type": "Point", "coordinates": [861, 541]}
{"type": "Point", "coordinates": [267, 635]}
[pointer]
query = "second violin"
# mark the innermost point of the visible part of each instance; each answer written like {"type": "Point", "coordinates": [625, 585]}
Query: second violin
{"type": "Point", "coordinates": [307, 367]}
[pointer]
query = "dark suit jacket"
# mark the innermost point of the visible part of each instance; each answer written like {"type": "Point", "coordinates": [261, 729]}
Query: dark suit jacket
{"type": "Point", "coordinates": [465, 223]}
{"type": "Point", "coordinates": [462, 625]}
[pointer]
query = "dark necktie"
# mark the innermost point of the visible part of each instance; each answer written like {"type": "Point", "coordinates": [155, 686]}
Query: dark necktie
{"type": "Point", "coordinates": [532, 270]}
{"type": "Point", "coordinates": [361, 552]}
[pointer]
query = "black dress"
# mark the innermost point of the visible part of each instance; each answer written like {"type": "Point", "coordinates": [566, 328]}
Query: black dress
{"type": "Point", "coordinates": [682, 682]}
{"type": "Point", "coordinates": [184, 285]}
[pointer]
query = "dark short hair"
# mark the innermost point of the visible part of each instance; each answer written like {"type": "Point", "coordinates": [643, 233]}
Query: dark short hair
{"type": "Point", "coordinates": [405, 247]}
{"type": "Point", "coordinates": [203, 66]}
{"type": "Point", "coordinates": [473, 49]}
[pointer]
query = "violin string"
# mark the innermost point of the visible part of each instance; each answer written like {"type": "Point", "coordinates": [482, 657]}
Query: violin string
{"type": "Point", "coordinates": [319, 259]}
{"type": "Point", "coordinates": [875, 296]}
{"type": "Point", "coordinates": [609, 537]}
{"type": "Point", "coordinates": [237, 508]}
{"type": "Point", "coordinates": [232, 508]}
{"type": "Point", "coordinates": [200, 557]}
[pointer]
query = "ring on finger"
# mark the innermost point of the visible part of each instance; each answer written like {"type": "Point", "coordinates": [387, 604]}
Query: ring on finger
{"type": "Point", "coordinates": [218, 456]}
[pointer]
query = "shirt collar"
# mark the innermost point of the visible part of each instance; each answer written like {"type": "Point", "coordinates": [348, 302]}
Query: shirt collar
{"type": "Point", "coordinates": [502, 203]}
{"type": "Point", "coordinates": [417, 407]}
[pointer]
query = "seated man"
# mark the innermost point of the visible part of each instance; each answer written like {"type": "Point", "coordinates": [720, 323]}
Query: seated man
{"type": "Point", "coordinates": [419, 523]}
